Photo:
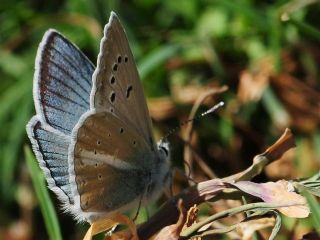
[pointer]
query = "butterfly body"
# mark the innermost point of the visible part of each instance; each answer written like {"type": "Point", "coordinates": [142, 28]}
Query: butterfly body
{"type": "Point", "coordinates": [93, 138]}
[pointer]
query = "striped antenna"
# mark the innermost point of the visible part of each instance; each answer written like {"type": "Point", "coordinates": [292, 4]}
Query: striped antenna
{"type": "Point", "coordinates": [214, 108]}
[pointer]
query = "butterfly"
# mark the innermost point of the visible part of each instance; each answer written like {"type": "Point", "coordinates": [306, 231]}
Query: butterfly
{"type": "Point", "coordinates": [92, 133]}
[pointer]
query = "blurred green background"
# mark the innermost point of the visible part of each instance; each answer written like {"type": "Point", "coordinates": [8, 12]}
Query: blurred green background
{"type": "Point", "coordinates": [266, 52]}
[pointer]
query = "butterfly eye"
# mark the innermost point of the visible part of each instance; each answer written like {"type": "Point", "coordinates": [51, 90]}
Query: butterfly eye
{"type": "Point", "coordinates": [165, 150]}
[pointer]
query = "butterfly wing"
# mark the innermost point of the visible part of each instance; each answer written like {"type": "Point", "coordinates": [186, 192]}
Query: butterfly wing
{"type": "Point", "coordinates": [62, 82]}
{"type": "Point", "coordinates": [116, 84]}
{"type": "Point", "coordinates": [51, 149]}
{"type": "Point", "coordinates": [108, 159]}
{"type": "Point", "coordinates": [112, 154]}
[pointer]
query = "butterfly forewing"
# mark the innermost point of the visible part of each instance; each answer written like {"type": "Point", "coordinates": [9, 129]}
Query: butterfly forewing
{"type": "Point", "coordinates": [111, 163]}
{"type": "Point", "coordinates": [117, 87]}
{"type": "Point", "coordinates": [62, 82]}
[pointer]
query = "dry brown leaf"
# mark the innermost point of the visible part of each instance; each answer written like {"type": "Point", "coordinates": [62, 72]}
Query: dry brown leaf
{"type": "Point", "coordinates": [172, 232]}
{"type": "Point", "coordinates": [284, 168]}
{"type": "Point", "coordinates": [253, 83]}
{"type": "Point", "coordinates": [305, 113]}
{"type": "Point", "coordinates": [283, 144]}
{"type": "Point", "coordinates": [311, 236]}
{"type": "Point", "coordinates": [108, 223]}
{"type": "Point", "coordinates": [192, 215]}
{"type": "Point", "coordinates": [190, 93]}
{"type": "Point", "coordinates": [161, 108]}
{"type": "Point", "coordinates": [280, 192]}
{"type": "Point", "coordinates": [122, 235]}
{"type": "Point", "coordinates": [98, 227]}
{"type": "Point", "coordinates": [247, 228]}
{"type": "Point", "coordinates": [20, 230]}
{"type": "Point", "coordinates": [169, 213]}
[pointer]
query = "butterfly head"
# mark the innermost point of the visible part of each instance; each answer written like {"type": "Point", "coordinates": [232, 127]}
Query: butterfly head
{"type": "Point", "coordinates": [161, 176]}
{"type": "Point", "coordinates": [165, 155]}
{"type": "Point", "coordinates": [164, 150]}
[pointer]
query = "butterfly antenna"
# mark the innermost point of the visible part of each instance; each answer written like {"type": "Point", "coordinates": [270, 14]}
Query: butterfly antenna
{"type": "Point", "coordinates": [215, 107]}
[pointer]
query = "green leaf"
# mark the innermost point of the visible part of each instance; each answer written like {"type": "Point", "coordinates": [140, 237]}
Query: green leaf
{"type": "Point", "coordinates": [306, 28]}
{"type": "Point", "coordinates": [312, 190]}
{"type": "Point", "coordinates": [315, 210]}
{"type": "Point", "coordinates": [275, 38]}
{"type": "Point", "coordinates": [276, 110]}
{"type": "Point", "coordinates": [10, 97]}
{"type": "Point", "coordinates": [46, 205]}
{"type": "Point", "coordinates": [156, 58]}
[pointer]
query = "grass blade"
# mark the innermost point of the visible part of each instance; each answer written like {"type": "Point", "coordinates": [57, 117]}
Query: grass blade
{"type": "Point", "coordinates": [46, 205]}
{"type": "Point", "coordinates": [14, 136]}
{"type": "Point", "coordinates": [274, 107]}
{"type": "Point", "coordinates": [155, 58]}
{"type": "Point", "coordinates": [315, 210]}
{"type": "Point", "coordinates": [306, 28]}
{"type": "Point", "coordinates": [276, 227]}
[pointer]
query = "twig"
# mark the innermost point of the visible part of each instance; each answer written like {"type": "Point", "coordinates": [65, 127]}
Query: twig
{"type": "Point", "coordinates": [204, 167]}
{"type": "Point", "coordinates": [188, 133]}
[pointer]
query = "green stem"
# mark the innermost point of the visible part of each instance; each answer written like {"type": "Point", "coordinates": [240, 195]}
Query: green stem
{"type": "Point", "coordinates": [230, 212]}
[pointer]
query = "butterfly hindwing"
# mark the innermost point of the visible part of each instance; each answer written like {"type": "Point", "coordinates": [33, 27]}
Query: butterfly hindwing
{"type": "Point", "coordinates": [116, 84]}
{"type": "Point", "coordinates": [51, 149]}
{"type": "Point", "coordinates": [62, 82]}
{"type": "Point", "coordinates": [111, 162]}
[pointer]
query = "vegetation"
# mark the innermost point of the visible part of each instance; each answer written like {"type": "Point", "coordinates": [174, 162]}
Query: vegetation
{"type": "Point", "coordinates": [265, 52]}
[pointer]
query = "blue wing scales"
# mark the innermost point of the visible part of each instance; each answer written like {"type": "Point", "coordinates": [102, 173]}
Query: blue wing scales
{"type": "Point", "coordinates": [62, 82]}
